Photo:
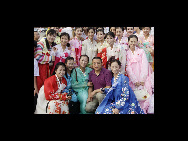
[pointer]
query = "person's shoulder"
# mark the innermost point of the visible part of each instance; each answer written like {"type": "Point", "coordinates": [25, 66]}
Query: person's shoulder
{"type": "Point", "coordinates": [106, 71]}
{"type": "Point", "coordinates": [49, 79]}
{"type": "Point", "coordinates": [89, 69]}
{"type": "Point", "coordinates": [125, 78]}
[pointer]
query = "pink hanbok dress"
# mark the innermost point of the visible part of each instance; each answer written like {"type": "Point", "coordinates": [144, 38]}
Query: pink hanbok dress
{"type": "Point", "coordinates": [139, 70]}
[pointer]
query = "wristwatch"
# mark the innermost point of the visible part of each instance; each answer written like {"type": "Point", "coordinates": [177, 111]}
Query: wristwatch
{"type": "Point", "coordinates": [103, 89]}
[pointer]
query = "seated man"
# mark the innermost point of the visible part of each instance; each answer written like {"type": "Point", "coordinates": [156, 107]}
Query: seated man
{"type": "Point", "coordinates": [98, 78]}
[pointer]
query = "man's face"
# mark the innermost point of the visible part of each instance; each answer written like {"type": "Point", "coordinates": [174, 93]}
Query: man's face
{"type": "Point", "coordinates": [97, 64]}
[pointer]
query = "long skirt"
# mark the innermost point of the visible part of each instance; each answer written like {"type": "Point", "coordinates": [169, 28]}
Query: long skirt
{"type": "Point", "coordinates": [50, 107]}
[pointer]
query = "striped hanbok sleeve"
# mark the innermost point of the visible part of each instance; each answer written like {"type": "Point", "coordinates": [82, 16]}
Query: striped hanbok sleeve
{"type": "Point", "coordinates": [41, 57]}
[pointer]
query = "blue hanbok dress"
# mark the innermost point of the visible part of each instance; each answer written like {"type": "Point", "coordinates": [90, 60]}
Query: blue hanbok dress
{"type": "Point", "coordinates": [119, 96]}
{"type": "Point", "coordinates": [69, 79]}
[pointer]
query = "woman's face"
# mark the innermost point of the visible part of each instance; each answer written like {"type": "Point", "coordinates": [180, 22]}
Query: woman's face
{"type": "Point", "coordinates": [70, 64]}
{"type": "Point", "coordinates": [51, 37]}
{"type": "Point", "coordinates": [115, 67]}
{"type": "Point", "coordinates": [146, 30]}
{"type": "Point", "coordinates": [132, 42]}
{"type": "Point", "coordinates": [119, 32]}
{"type": "Point", "coordinates": [78, 32]}
{"type": "Point", "coordinates": [100, 36]}
{"type": "Point", "coordinates": [130, 31]}
{"type": "Point", "coordinates": [60, 72]}
{"type": "Point", "coordinates": [64, 40]}
{"type": "Point", "coordinates": [110, 40]}
{"type": "Point", "coordinates": [91, 34]}
{"type": "Point", "coordinates": [113, 29]}
{"type": "Point", "coordinates": [83, 61]}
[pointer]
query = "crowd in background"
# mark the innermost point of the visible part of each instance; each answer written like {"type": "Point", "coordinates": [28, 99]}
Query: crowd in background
{"type": "Point", "coordinates": [87, 70]}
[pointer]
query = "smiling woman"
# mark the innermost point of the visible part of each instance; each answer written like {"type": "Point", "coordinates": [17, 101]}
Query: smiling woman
{"type": "Point", "coordinates": [42, 55]}
{"type": "Point", "coordinates": [61, 51]}
{"type": "Point", "coordinates": [51, 98]}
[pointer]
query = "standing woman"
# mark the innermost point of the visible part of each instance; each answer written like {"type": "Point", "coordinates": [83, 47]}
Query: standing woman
{"type": "Point", "coordinates": [101, 47]}
{"type": "Point", "coordinates": [147, 39]}
{"type": "Point", "coordinates": [116, 50]}
{"type": "Point", "coordinates": [138, 69]}
{"type": "Point", "coordinates": [61, 51]}
{"type": "Point", "coordinates": [89, 47]}
{"type": "Point", "coordinates": [80, 77]}
{"type": "Point", "coordinates": [42, 55]}
{"type": "Point", "coordinates": [76, 46]}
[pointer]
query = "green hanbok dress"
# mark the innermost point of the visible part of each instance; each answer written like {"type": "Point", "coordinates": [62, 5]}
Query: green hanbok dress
{"type": "Point", "coordinates": [79, 84]}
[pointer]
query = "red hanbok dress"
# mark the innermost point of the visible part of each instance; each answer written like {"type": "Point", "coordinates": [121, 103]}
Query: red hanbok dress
{"type": "Point", "coordinates": [48, 101]}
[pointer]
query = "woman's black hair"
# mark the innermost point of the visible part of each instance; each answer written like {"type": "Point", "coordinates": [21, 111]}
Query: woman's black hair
{"type": "Point", "coordinates": [132, 36]}
{"type": "Point", "coordinates": [66, 60]}
{"type": "Point", "coordinates": [84, 56]}
{"type": "Point", "coordinates": [115, 60]}
{"type": "Point", "coordinates": [78, 27]}
{"type": "Point", "coordinates": [122, 28]}
{"type": "Point", "coordinates": [100, 30]}
{"type": "Point", "coordinates": [143, 27]}
{"type": "Point", "coordinates": [51, 32]}
{"type": "Point", "coordinates": [90, 28]}
{"type": "Point", "coordinates": [126, 28]}
{"type": "Point", "coordinates": [65, 34]}
{"type": "Point", "coordinates": [57, 66]}
{"type": "Point", "coordinates": [110, 33]}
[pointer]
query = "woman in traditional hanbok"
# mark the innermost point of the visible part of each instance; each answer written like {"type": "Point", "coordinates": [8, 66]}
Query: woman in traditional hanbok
{"type": "Point", "coordinates": [89, 47]}
{"type": "Point", "coordinates": [138, 70]}
{"type": "Point", "coordinates": [61, 51]}
{"type": "Point", "coordinates": [80, 77]}
{"type": "Point", "coordinates": [42, 55]}
{"type": "Point", "coordinates": [147, 39]}
{"type": "Point", "coordinates": [101, 47]}
{"type": "Point", "coordinates": [51, 98]}
{"type": "Point", "coordinates": [120, 98]}
{"type": "Point", "coordinates": [116, 50]}
{"type": "Point", "coordinates": [76, 46]}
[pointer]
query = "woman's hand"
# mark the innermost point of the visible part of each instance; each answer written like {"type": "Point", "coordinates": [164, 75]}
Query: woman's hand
{"type": "Point", "coordinates": [68, 97]}
{"type": "Point", "coordinates": [137, 84]}
{"type": "Point", "coordinates": [36, 91]}
{"type": "Point", "coordinates": [142, 83]}
{"type": "Point", "coordinates": [54, 49]}
{"type": "Point", "coordinates": [115, 111]}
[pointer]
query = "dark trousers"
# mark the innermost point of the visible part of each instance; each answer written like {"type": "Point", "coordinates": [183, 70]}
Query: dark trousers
{"type": "Point", "coordinates": [74, 107]}
{"type": "Point", "coordinates": [35, 101]}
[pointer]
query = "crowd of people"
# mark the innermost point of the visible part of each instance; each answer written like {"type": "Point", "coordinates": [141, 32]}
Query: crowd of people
{"type": "Point", "coordinates": [94, 70]}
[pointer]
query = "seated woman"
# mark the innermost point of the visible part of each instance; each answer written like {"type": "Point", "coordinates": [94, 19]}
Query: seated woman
{"type": "Point", "coordinates": [74, 106]}
{"type": "Point", "coordinates": [120, 98]}
{"type": "Point", "coordinates": [51, 98]}
{"type": "Point", "coordinates": [80, 77]}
